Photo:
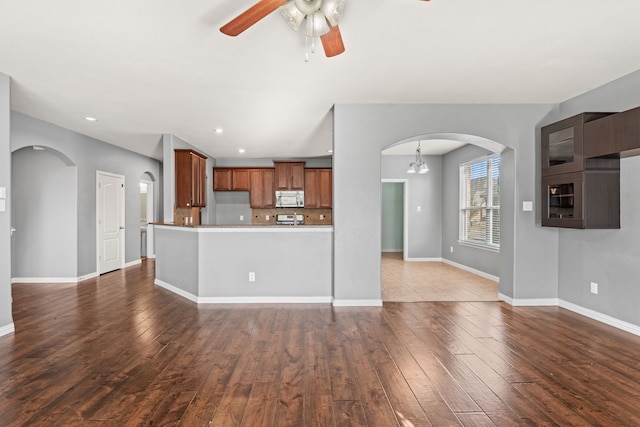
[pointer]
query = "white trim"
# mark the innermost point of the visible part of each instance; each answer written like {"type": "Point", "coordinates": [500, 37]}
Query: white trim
{"type": "Point", "coordinates": [175, 290]}
{"type": "Point", "coordinates": [592, 314]}
{"type": "Point", "coordinates": [44, 280]}
{"type": "Point", "coordinates": [357, 303]}
{"type": "Point", "coordinates": [424, 260]}
{"type": "Point", "coordinates": [243, 300]}
{"type": "Point", "coordinates": [529, 302]}
{"type": "Point", "coordinates": [265, 300]}
{"type": "Point", "coordinates": [88, 276]}
{"type": "Point", "coordinates": [472, 270]}
{"type": "Point", "coordinates": [132, 263]}
{"type": "Point", "coordinates": [7, 329]}
{"type": "Point", "coordinates": [250, 228]}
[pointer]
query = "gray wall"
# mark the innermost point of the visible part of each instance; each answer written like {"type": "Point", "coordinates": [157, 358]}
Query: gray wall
{"type": "Point", "coordinates": [6, 319]}
{"type": "Point", "coordinates": [424, 191]}
{"type": "Point", "coordinates": [169, 144]}
{"type": "Point", "coordinates": [480, 259]}
{"type": "Point", "coordinates": [610, 258]}
{"type": "Point", "coordinates": [362, 131]}
{"type": "Point", "coordinates": [45, 212]}
{"type": "Point", "coordinates": [392, 216]}
{"type": "Point", "coordinates": [90, 155]}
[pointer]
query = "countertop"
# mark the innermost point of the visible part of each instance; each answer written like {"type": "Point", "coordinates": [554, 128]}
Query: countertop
{"type": "Point", "coordinates": [244, 226]}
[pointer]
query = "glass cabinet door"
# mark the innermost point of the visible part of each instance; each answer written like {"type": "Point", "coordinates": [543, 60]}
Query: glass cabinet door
{"type": "Point", "coordinates": [563, 196]}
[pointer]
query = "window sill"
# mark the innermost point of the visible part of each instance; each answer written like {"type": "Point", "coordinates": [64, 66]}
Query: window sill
{"type": "Point", "coordinates": [495, 249]}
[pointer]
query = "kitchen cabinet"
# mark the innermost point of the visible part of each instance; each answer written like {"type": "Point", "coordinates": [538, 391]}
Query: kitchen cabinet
{"type": "Point", "coordinates": [587, 199]}
{"type": "Point", "coordinates": [318, 188]}
{"type": "Point", "coordinates": [562, 144]}
{"type": "Point", "coordinates": [230, 179]}
{"type": "Point", "coordinates": [289, 175]}
{"type": "Point", "coordinates": [616, 135]}
{"type": "Point", "coordinates": [261, 184]}
{"type": "Point", "coordinates": [190, 179]}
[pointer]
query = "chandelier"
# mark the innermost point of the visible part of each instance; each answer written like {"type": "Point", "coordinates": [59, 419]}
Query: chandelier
{"type": "Point", "coordinates": [418, 165]}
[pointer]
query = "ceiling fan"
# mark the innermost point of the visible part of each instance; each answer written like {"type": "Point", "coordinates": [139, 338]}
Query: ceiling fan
{"type": "Point", "coordinates": [322, 18]}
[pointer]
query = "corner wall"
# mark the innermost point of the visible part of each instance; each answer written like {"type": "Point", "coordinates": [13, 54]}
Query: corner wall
{"type": "Point", "coordinates": [6, 318]}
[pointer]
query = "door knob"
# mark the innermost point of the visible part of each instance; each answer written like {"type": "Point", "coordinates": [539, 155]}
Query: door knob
{"type": "Point", "coordinates": [121, 228]}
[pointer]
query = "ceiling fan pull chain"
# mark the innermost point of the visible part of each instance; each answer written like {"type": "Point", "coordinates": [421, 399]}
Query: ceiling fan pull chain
{"type": "Point", "coordinates": [306, 48]}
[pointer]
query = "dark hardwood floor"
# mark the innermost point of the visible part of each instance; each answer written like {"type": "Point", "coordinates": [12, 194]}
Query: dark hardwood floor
{"type": "Point", "coordinates": [118, 351]}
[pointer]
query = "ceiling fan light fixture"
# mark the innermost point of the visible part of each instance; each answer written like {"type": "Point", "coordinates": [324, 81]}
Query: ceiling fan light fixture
{"type": "Point", "coordinates": [292, 15]}
{"type": "Point", "coordinates": [308, 7]}
{"type": "Point", "coordinates": [317, 25]}
{"type": "Point", "coordinates": [412, 168]}
{"type": "Point", "coordinates": [334, 10]}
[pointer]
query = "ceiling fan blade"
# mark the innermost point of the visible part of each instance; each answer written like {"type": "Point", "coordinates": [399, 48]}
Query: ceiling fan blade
{"type": "Point", "coordinates": [332, 42]}
{"type": "Point", "coordinates": [250, 16]}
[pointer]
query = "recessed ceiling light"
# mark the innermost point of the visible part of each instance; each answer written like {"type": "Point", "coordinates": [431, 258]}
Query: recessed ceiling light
{"type": "Point", "coordinates": [90, 119]}
{"type": "Point", "coordinates": [241, 150]}
{"type": "Point", "coordinates": [219, 130]}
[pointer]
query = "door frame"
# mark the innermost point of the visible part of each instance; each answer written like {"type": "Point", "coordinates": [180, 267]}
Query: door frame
{"type": "Point", "coordinates": [405, 213]}
{"type": "Point", "coordinates": [150, 216]}
{"type": "Point", "coordinates": [122, 212]}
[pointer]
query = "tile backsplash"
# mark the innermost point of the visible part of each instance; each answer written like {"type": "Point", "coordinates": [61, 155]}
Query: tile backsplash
{"type": "Point", "coordinates": [311, 216]}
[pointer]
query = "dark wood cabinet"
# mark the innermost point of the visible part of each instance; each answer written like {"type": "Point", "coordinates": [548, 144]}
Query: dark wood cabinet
{"type": "Point", "coordinates": [261, 184]}
{"type": "Point", "coordinates": [230, 179]}
{"type": "Point", "coordinates": [616, 135]}
{"type": "Point", "coordinates": [587, 199]}
{"type": "Point", "coordinates": [190, 179]}
{"type": "Point", "coordinates": [289, 175]}
{"type": "Point", "coordinates": [562, 144]}
{"type": "Point", "coordinates": [318, 188]}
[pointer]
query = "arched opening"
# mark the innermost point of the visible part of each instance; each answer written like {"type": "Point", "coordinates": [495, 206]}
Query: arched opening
{"type": "Point", "coordinates": [424, 257]}
{"type": "Point", "coordinates": [44, 214]}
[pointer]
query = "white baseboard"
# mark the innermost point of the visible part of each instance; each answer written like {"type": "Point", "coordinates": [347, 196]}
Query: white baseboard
{"type": "Point", "coordinates": [243, 300]}
{"type": "Point", "coordinates": [7, 329]}
{"type": "Point", "coordinates": [88, 276]}
{"type": "Point", "coordinates": [424, 259]}
{"type": "Point", "coordinates": [472, 270]}
{"type": "Point", "coordinates": [132, 263]}
{"type": "Point", "coordinates": [587, 312]}
{"type": "Point", "coordinates": [592, 314]}
{"type": "Point", "coordinates": [357, 303]}
{"type": "Point", "coordinates": [176, 290]}
{"type": "Point", "coordinates": [265, 300]}
{"type": "Point", "coordinates": [45, 280]}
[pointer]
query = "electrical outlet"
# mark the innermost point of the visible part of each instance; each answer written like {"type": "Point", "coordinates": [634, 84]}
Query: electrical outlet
{"type": "Point", "coordinates": [451, 249]}
{"type": "Point", "coordinates": [266, 217]}
{"type": "Point", "coordinates": [252, 276]}
{"type": "Point", "coordinates": [241, 217]}
{"type": "Point", "coordinates": [321, 216]}
{"type": "Point", "coordinates": [594, 288]}
{"type": "Point", "coordinates": [419, 209]}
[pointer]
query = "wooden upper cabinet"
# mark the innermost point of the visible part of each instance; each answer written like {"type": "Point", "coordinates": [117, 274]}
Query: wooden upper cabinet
{"type": "Point", "coordinates": [289, 175]}
{"type": "Point", "coordinates": [318, 188]}
{"type": "Point", "coordinates": [190, 179]}
{"type": "Point", "coordinates": [262, 193]}
{"type": "Point", "coordinates": [614, 135]}
{"type": "Point", "coordinates": [230, 179]}
{"type": "Point", "coordinates": [562, 144]}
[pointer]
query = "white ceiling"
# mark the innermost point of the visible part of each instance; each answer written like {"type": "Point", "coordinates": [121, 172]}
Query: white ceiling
{"type": "Point", "coordinates": [148, 67]}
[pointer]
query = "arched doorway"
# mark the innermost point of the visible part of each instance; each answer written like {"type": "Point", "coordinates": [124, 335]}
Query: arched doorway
{"type": "Point", "coordinates": [435, 264]}
{"type": "Point", "coordinates": [147, 215]}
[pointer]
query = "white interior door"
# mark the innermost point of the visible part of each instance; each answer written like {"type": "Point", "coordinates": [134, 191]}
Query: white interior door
{"type": "Point", "coordinates": [110, 221]}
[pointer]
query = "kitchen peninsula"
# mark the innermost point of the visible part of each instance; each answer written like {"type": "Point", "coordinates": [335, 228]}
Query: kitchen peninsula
{"type": "Point", "coordinates": [253, 263]}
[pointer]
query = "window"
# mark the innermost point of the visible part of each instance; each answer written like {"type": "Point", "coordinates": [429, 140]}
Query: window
{"type": "Point", "coordinates": [480, 202]}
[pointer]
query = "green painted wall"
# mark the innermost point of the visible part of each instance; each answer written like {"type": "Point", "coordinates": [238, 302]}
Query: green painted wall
{"type": "Point", "coordinates": [392, 216]}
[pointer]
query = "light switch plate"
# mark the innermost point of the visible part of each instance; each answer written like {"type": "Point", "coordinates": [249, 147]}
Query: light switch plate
{"type": "Point", "coordinates": [3, 192]}
{"type": "Point", "coordinates": [527, 206]}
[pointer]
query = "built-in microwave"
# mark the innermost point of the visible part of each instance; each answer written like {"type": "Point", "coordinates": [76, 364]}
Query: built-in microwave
{"type": "Point", "coordinates": [290, 199]}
